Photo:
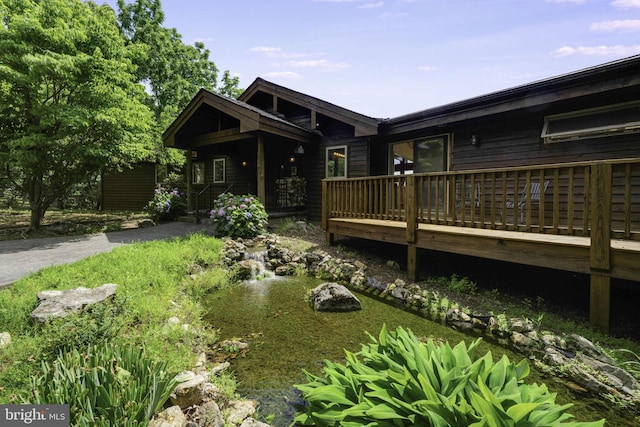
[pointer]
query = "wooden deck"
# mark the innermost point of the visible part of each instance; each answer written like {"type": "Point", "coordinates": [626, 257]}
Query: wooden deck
{"type": "Point", "coordinates": [585, 218]}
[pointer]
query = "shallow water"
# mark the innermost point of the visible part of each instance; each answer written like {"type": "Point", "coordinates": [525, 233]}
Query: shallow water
{"type": "Point", "coordinates": [287, 336]}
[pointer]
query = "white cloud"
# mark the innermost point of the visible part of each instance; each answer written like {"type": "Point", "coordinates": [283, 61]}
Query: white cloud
{"type": "Point", "coordinates": [336, 1]}
{"type": "Point", "coordinates": [371, 5]}
{"type": "Point", "coordinates": [282, 75]}
{"type": "Point", "coordinates": [597, 50]}
{"type": "Point", "coordinates": [626, 4]}
{"type": "Point", "coordinates": [319, 63]}
{"type": "Point", "coordinates": [623, 26]}
{"type": "Point", "coordinates": [427, 68]}
{"type": "Point", "coordinates": [567, 1]}
{"type": "Point", "coordinates": [266, 50]}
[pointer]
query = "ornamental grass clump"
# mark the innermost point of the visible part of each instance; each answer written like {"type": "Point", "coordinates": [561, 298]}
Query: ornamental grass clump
{"type": "Point", "coordinates": [397, 380]}
{"type": "Point", "coordinates": [239, 216]}
{"type": "Point", "coordinates": [166, 204]}
{"type": "Point", "coordinates": [105, 385]}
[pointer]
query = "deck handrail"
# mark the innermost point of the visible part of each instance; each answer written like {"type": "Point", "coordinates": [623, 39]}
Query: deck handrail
{"type": "Point", "coordinates": [483, 198]}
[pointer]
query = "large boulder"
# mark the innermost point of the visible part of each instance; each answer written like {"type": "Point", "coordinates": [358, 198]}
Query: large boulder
{"type": "Point", "coordinates": [62, 303]}
{"type": "Point", "coordinates": [334, 297]}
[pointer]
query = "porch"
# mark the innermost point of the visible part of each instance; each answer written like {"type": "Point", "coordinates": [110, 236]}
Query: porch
{"type": "Point", "coordinates": [579, 217]}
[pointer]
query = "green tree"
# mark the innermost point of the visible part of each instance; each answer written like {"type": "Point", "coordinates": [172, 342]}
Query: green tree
{"type": "Point", "coordinates": [173, 72]}
{"type": "Point", "coordinates": [70, 101]}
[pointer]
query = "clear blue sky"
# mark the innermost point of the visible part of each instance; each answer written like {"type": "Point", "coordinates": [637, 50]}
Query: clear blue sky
{"type": "Point", "coordinates": [386, 58]}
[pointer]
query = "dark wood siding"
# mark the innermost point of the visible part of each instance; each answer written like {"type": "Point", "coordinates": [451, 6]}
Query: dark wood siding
{"type": "Point", "coordinates": [130, 189]}
{"type": "Point", "coordinates": [334, 134]}
{"type": "Point", "coordinates": [514, 139]}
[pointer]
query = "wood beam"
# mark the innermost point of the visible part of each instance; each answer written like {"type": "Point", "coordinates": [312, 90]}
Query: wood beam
{"type": "Point", "coordinates": [262, 193]}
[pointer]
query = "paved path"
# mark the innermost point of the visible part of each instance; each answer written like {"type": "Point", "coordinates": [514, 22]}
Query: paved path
{"type": "Point", "coordinates": [18, 258]}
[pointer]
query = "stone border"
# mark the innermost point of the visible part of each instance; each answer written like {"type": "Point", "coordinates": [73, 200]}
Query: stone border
{"type": "Point", "coordinates": [572, 357]}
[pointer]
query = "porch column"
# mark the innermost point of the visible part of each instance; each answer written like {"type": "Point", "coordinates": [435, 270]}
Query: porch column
{"type": "Point", "coordinates": [188, 175]}
{"type": "Point", "coordinates": [262, 193]}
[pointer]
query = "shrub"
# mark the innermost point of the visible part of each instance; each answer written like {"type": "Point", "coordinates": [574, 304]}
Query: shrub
{"type": "Point", "coordinates": [105, 386]}
{"type": "Point", "coordinates": [166, 205]}
{"type": "Point", "coordinates": [238, 216]}
{"type": "Point", "coordinates": [398, 380]}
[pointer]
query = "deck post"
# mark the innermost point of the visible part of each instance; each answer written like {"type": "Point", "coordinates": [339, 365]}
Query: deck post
{"type": "Point", "coordinates": [411, 209]}
{"type": "Point", "coordinates": [600, 302]}
{"type": "Point", "coordinates": [412, 262]}
{"type": "Point", "coordinates": [326, 213]}
{"type": "Point", "coordinates": [600, 250]}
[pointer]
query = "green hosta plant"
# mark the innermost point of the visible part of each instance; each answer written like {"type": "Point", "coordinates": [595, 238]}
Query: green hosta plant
{"type": "Point", "coordinates": [397, 380]}
{"type": "Point", "coordinates": [105, 386]}
{"type": "Point", "coordinates": [239, 216]}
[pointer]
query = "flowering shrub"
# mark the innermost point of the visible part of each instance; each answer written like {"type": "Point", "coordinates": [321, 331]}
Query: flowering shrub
{"type": "Point", "coordinates": [167, 205]}
{"type": "Point", "coordinates": [238, 216]}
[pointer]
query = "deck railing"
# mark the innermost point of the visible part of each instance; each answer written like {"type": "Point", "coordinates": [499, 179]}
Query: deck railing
{"type": "Point", "coordinates": [562, 199]}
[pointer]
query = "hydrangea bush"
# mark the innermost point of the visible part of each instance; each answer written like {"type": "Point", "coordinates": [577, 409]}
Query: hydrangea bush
{"type": "Point", "coordinates": [239, 216]}
{"type": "Point", "coordinates": [166, 204]}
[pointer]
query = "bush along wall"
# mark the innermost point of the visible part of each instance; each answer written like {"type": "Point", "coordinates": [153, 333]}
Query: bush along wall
{"type": "Point", "coordinates": [572, 356]}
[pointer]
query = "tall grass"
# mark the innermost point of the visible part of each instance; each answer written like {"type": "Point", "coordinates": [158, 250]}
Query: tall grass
{"type": "Point", "coordinates": [154, 283]}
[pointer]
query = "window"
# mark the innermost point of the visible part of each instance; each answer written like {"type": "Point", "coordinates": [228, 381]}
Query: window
{"type": "Point", "coordinates": [197, 173]}
{"type": "Point", "coordinates": [401, 157]}
{"type": "Point", "coordinates": [594, 122]}
{"type": "Point", "coordinates": [430, 154]}
{"type": "Point", "coordinates": [336, 162]}
{"type": "Point", "coordinates": [161, 174]}
{"type": "Point", "coordinates": [218, 171]}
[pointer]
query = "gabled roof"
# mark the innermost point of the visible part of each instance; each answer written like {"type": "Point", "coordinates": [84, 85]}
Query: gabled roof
{"type": "Point", "coordinates": [251, 120]}
{"type": "Point", "coordinates": [363, 125]}
{"type": "Point", "coordinates": [616, 75]}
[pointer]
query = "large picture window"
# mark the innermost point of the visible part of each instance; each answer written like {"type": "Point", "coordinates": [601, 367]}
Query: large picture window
{"type": "Point", "coordinates": [336, 162]}
{"type": "Point", "coordinates": [219, 171]}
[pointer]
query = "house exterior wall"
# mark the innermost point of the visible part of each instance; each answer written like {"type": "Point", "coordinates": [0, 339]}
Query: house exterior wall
{"type": "Point", "coordinates": [514, 138]}
{"type": "Point", "coordinates": [129, 190]}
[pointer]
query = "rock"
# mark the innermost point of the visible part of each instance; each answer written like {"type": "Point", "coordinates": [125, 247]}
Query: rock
{"type": "Point", "coordinates": [146, 223]}
{"type": "Point", "coordinates": [220, 367]}
{"type": "Point", "coordinates": [334, 297]}
{"type": "Point", "coordinates": [5, 339]}
{"type": "Point", "coordinates": [580, 344]}
{"type": "Point", "coordinates": [250, 422]}
{"type": "Point", "coordinates": [521, 325]}
{"type": "Point", "coordinates": [399, 293]}
{"type": "Point", "coordinates": [209, 415]}
{"type": "Point", "coordinates": [188, 393]}
{"type": "Point", "coordinates": [240, 410]}
{"type": "Point", "coordinates": [170, 417]}
{"type": "Point", "coordinates": [392, 264]}
{"type": "Point", "coordinates": [521, 340]}
{"type": "Point", "coordinates": [62, 303]}
{"type": "Point", "coordinates": [612, 375]}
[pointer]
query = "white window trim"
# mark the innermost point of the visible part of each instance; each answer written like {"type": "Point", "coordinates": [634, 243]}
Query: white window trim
{"type": "Point", "coordinates": [224, 170]}
{"type": "Point", "coordinates": [346, 162]}
{"type": "Point", "coordinates": [166, 173]}
{"type": "Point", "coordinates": [193, 172]}
{"type": "Point", "coordinates": [615, 128]}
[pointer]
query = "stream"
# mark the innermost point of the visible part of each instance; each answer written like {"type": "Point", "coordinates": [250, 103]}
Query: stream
{"type": "Point", "coordinates": [287, 336]}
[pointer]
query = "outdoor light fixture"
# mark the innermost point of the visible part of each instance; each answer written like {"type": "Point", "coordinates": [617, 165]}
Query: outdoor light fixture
{"type": "Point", "coordinates": [475, 140]}
{"type": "Point", "coordinates": [244, 163]}
{"type": "Point", "coordinates": [299, 149]}
{"type": "Point", "coordinates": [292, 159]}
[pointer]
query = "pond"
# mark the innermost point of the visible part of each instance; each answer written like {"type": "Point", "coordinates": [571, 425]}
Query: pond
{"type": "Point", "coordinates": [287, 336]}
